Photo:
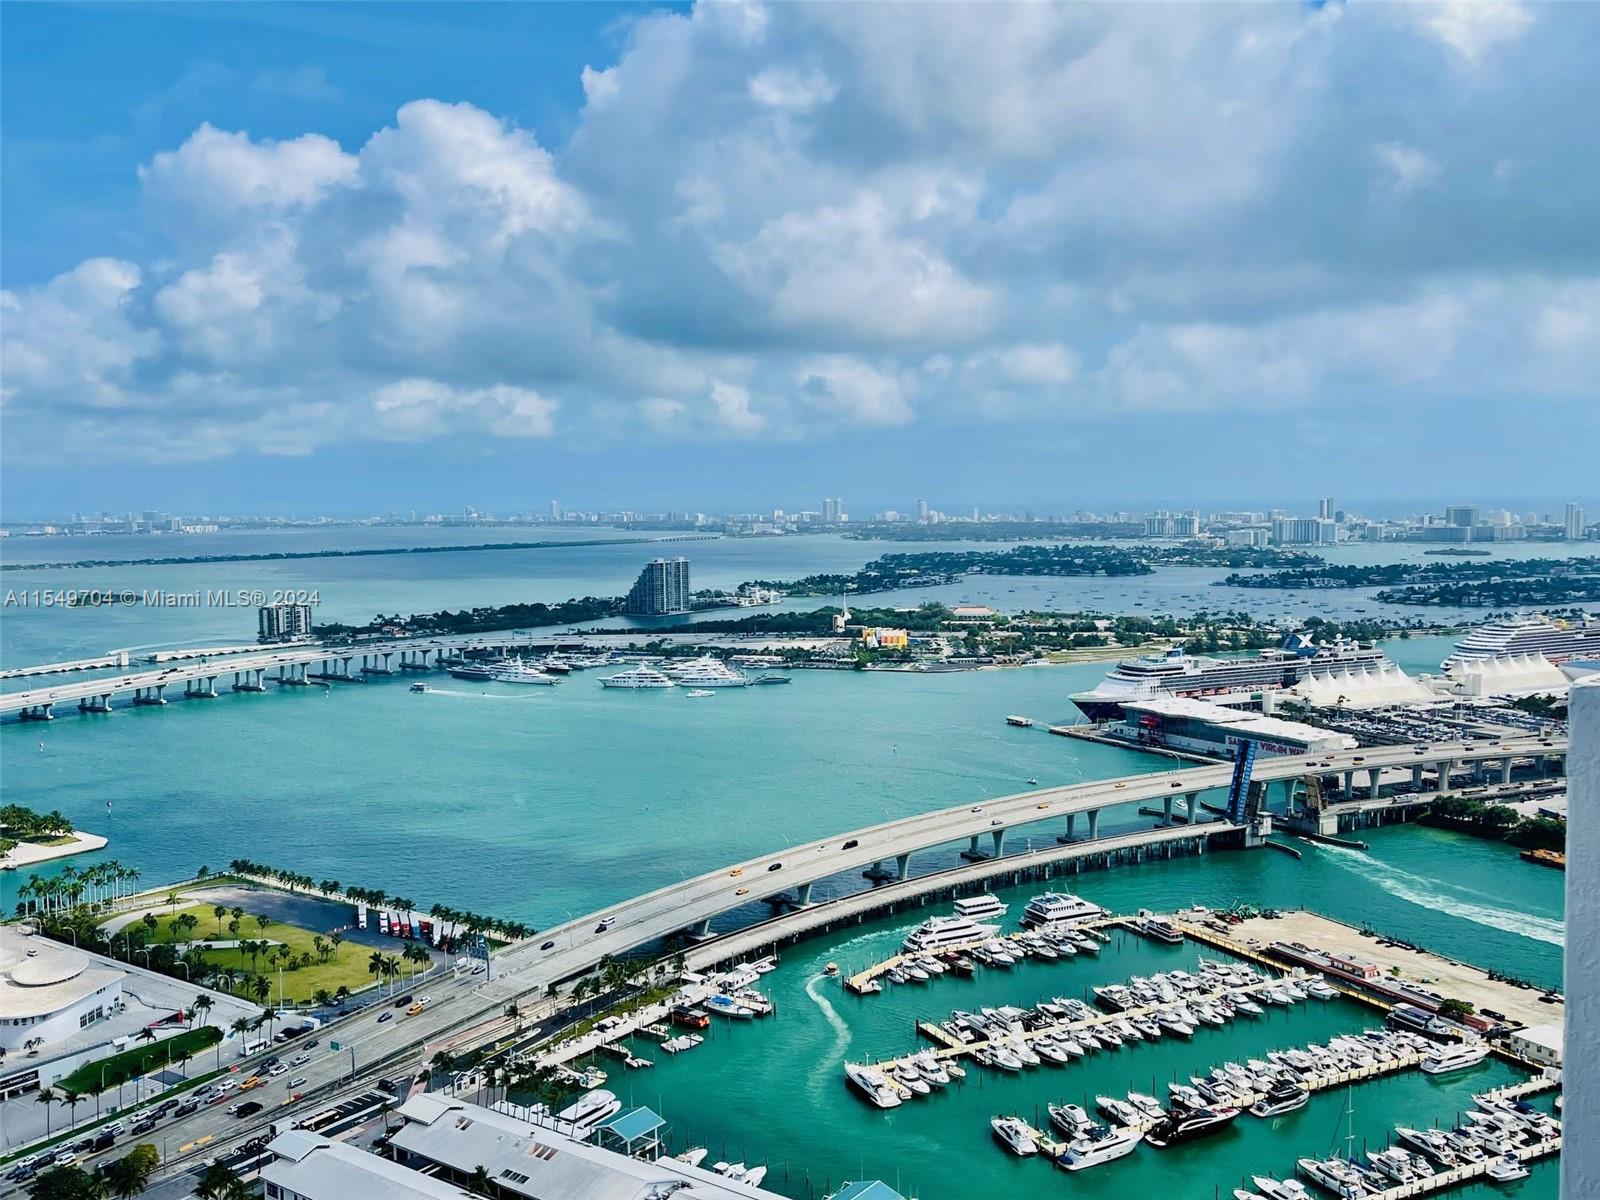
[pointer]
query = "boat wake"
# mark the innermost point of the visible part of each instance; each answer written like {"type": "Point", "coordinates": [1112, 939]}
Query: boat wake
{"type": "Point", "coordinates": [459, 694]}
{"type": "Point", "coordinates": [832, 1016]}
{"type": "Point", "coordinates": [1426, 893]}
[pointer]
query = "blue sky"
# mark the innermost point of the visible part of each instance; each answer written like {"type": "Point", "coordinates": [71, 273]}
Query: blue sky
{"type": "Point", "coordinates": [360, 257]}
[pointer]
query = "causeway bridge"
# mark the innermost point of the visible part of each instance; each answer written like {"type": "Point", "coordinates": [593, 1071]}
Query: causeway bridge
{"type": "Point", "coordinates": [1071, 815]}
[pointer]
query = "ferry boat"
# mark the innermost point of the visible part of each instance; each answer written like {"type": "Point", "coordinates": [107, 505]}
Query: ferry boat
{"type": "Point", "coordinates": [976, 908]}
{"type": "Point", "coordinates": [638, 677]}
{"type": "Point", "coordinates": [941, 933]}
{"type": "Point", "coordinates": [1051, 907]}
{"type": "Point", "coordinates": [1454, 1058]}
{"type": "Point", "coordinates": [1176, 673]}
{"type": "Point", "coordinates": [1100, 1145]}
{"type": "Point", "coordinates": [707, 672]}
{"type": "Point", "coordinates": [1557, 641]}
{"type": "Point", "coordinates": [515, 670]}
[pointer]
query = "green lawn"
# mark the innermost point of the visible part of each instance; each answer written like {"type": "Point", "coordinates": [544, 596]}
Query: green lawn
{"type": "Point", "coordinates": [141, 1060]}
{"type": "Point", "coordinates": [346, 967]}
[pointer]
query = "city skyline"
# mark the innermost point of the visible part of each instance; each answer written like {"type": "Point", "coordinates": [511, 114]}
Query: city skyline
{"type": "Point", "coordinates": [586, 242]}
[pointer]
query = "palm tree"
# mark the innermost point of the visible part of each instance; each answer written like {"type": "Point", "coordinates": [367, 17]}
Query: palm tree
{"type": "Point", "coordinates": [480, 1184]}
{"type": "Point", "coordinates": [71, 1099]}
{"type": "Point", "coordinates": [375, 964]}
{"type": "Point", "coordinates": [341, 994]}
{"type": "Point", "coordinates": [240, 1026]}
{"type": "Point", "coordinates": [262, 921]}
{"type": "Point", "coordinates": [172, 899]}
{"type": "Point", "coordinates": [336, 940]}
{"type": "Point", "coordinates": [219, 911]}
{"type": "Point", "coordinates": [203, 1005]}
{"type": "Point", "coordinates": [216, 1183]}
{"type": "Point", "coordinates": [47, 1097]}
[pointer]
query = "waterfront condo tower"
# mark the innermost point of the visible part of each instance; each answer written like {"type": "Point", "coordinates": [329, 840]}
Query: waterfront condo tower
{"type": "Point", "coordinates": [283, 622]}
{"type": "Point", "coordinates": [662, 588]}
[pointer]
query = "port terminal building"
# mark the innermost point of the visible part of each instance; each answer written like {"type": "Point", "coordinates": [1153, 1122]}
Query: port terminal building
{"type": "Point", "coordinates": [1179, 723]}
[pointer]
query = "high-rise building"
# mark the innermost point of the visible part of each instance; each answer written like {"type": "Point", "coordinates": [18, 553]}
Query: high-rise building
{"type": "Point", "coordinates": [1463, 516]}
{"type": "Point", "coordinates": [555, 510]}
{"type": "Point", "coordinates": [832, 511]}
{"type": "Point", "coordinates": [1304, 531]}
{"type": "Point", "coordinates": [662, 588]}
{"type": "Point", "coordinates": [283, 622]}
{"type": "Point", "coordinates": [1572, 522]}
{"type": "Point", "coordinates": [1325, 507]}
{"type": "Point", "coordinates": [922, 510]}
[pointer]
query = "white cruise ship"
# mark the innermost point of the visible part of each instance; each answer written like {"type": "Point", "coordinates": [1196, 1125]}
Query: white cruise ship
{"type": "Point", "coordinates": [638, 677]}
{"type": "Point", "coordinates": [941, 933]}
{"type": "Point", "coordinates": [707, 672]}
{"type": "Point", "coordinates": [1176, 673]}
{"type": "Point", "coordinates": [1555, 640]}
{"type": "Point", "coordinates": [1058, 906]}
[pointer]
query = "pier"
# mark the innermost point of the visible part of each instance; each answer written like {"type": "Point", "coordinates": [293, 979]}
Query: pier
{"type": "Point", "coordinates": [858, 982]}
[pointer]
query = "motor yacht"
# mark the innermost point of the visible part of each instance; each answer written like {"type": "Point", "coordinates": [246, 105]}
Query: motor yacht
{"type": "Point", "coordinates": [941, 933]}
{"type": "Point", "coordinates": [1334, 1174]}
{"type": "Point", "coordinates": [637, 678]}
{"type": "Point", "coordinates": [1186, 1126]}
{"type": "Point", "coordinates": [515, 670]}
{"type": "Point", "coordinates": [1455, 1058]}
{"type": "Point", "coordinates": [871, 1084]}
{"type": "Point", "coordinates": [1280, 1098]}
{"type": "Point", "coordinates": [1070, 1119]}
{"type": "Point", "coordinates": [707, 671]}
{"type": "Point", "coordinates": [1054, 907]}
{"type": "Point", "coordinates": [1012, 1133]}
{"type": "Point", "coordinates": [1506, 1169]}
{"type": "Point", "coordinates": [1099, 1145]}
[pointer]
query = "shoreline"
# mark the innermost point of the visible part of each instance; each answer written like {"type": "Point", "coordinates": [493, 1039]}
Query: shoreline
{"type": "Point", "coordinates": [31, 854]}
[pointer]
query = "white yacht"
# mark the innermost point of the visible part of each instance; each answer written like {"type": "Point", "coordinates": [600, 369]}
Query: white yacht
{"type": "Point", "coordinates": [516, 670]}
{"type": "Point", "coordinates": [941, 933]}
{"type": "Point", "coordinates": [707, 672]}
{"type": "Point", "coordinates": [1012, 1133]}
{"type": "Point", "coordinates": [1556, 641]}
{"type": "Point", "coordinates": [1454, 1058]}
{"type": "Point", "coordinates": [1059, 906]}
{"type": "Point", "coordinates": [978, 908]}
{"type": "Point", "coordinates": [872, 1085]}
{"type": "Point", "coordinates": [638, 677]}
{"type": "Point", "coordinates": [1334, 1174]}
{"type": "Point", "coordinates": [1506, 1169]}
{"type": "Point", "coordinates": [580, 1117]}
{"type": "Point", "coordinates": [1280, 1189]}
{"type": "Point", "coordinates": [1099, 1145]}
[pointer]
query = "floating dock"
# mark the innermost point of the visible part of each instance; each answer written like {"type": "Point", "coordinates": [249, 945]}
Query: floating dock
{"type": "Point", "coordinates": [858, 982]}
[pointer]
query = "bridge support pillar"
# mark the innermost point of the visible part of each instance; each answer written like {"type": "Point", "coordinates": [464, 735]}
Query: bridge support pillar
{"type": "Point", "coordinates": [1505, 769]}
{"type": "Point", "coordinates": [1192, 801]}
{"type": "Point", "coordinates": [1416, 776]}
{"type": "Point", "coordinates": [999, 837]}
{"type": "Point", "coordinates": [1446, 769]}
{"type": "Point", "coordinates": [1288, 795]}
{"type": "Point", "coordinates": [701, 931]}
{"type": "Point", "coordinates": [1094, 823]}
{"type": "Point", "coordinates": [1349, 785]}
{"type": "Point", "coordinates": [902, 866]}
{"type": "Point", "coordinates": [803, 895]}
{"type": "Point", "coordinates": [1373, 775]}
{"type": "Point", "coordinates": [1166, 810]}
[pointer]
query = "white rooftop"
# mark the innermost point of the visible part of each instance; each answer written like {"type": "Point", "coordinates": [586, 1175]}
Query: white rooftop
{"type": "Point", "coordinates": [39, 977]}
{"type": "Point", "coordinates": [319, 1168]}
{"type": "Point", "coordinates": [529, 1160]}
{"type": "Point", "coordinates": [1245, 724]}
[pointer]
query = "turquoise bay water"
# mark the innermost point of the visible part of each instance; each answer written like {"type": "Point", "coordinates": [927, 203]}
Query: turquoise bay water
{"type": "Point", "coordinates": [772, 1090]}
{"type": "Point", "coordinates": [538, 803]}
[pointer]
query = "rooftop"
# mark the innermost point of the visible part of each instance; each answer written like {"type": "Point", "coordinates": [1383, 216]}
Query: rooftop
{"type": "Point", "coordinates": [39, 977]}
{"type": "Point", "coordinates": [528, 1160]}
{"type": "Point", "coordinates": [317, 1167]}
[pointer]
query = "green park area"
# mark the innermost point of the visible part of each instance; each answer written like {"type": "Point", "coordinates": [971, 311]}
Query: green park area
{"type": "Point", "coordinates": [311, 967]}
{"type": "Point", "coordinates": [141, 1060]}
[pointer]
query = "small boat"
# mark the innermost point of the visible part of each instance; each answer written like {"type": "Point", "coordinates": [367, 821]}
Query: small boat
{"type": "Point", "coordinates": [1281, 1098]}
{"type": "Point", "coordinates": [419, 688]}
{"type": "Point", "coordinates": [1070, 1119]}
{"type": "Point", "coordinates": [1183, 1127]}
{"type": "Point", "coordinates": [1012, 1133]}
{"type": "Point", "coordinates": [1119, 1111]}
{"type": "Point", "coordinates": [1099, 1145]}
{"type": "Point", "coordinates": [872, 1085]}
{"type": "Point", "coordinates": [700, 694]}
{"type": "Point", "coordinates": [694, 1156]}
{"type": "Point", "coordinates": [1455, 1058]}
{"type": "Point", "coordinates": [727, 1006]}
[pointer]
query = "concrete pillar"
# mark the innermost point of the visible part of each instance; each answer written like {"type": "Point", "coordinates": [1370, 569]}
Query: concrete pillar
{"type": "Point", "coordinates": [803, 893]}
{"type": "Point", "coordinates": [1288, 794]}
{"type": "Point", "coordinates": [1094, 823]}
{"type": "Point", "coordinates": [902, 866]}
{"type": "Point", "coordinates": [1166, 810]}
{"type": "Point", "coordinates": [972, 846]}
{"type": "Point", "coordinates": [1446, 769]}
{"type": "Point", "coordinates": [1192, 799]}
{"type": "Point", "coordinates": [1416, 776]}
{"type": "Point", "coordinates": [999, 836]}
{"type": "Point", "coordinates": [1505, 769]}
{"type": "Point", "coordinates": [1349, 784]}
{"type": "Point", "coordinates": [1072, 820]}
{"type": "Point", "coordinates": [1373, 775]}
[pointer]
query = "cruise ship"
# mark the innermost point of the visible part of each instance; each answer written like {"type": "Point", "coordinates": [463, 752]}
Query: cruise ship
{"type": "Point", "coordinates": [1176, 673]}
{"type": "Point", "coordinates": [1557, 641]}
{"type": "Point", "coordinates": [941, 933]}
{"type": "Point", "coordinates": [1051, 907]}
{"type": "Point", "coordinates": [707, 672]}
